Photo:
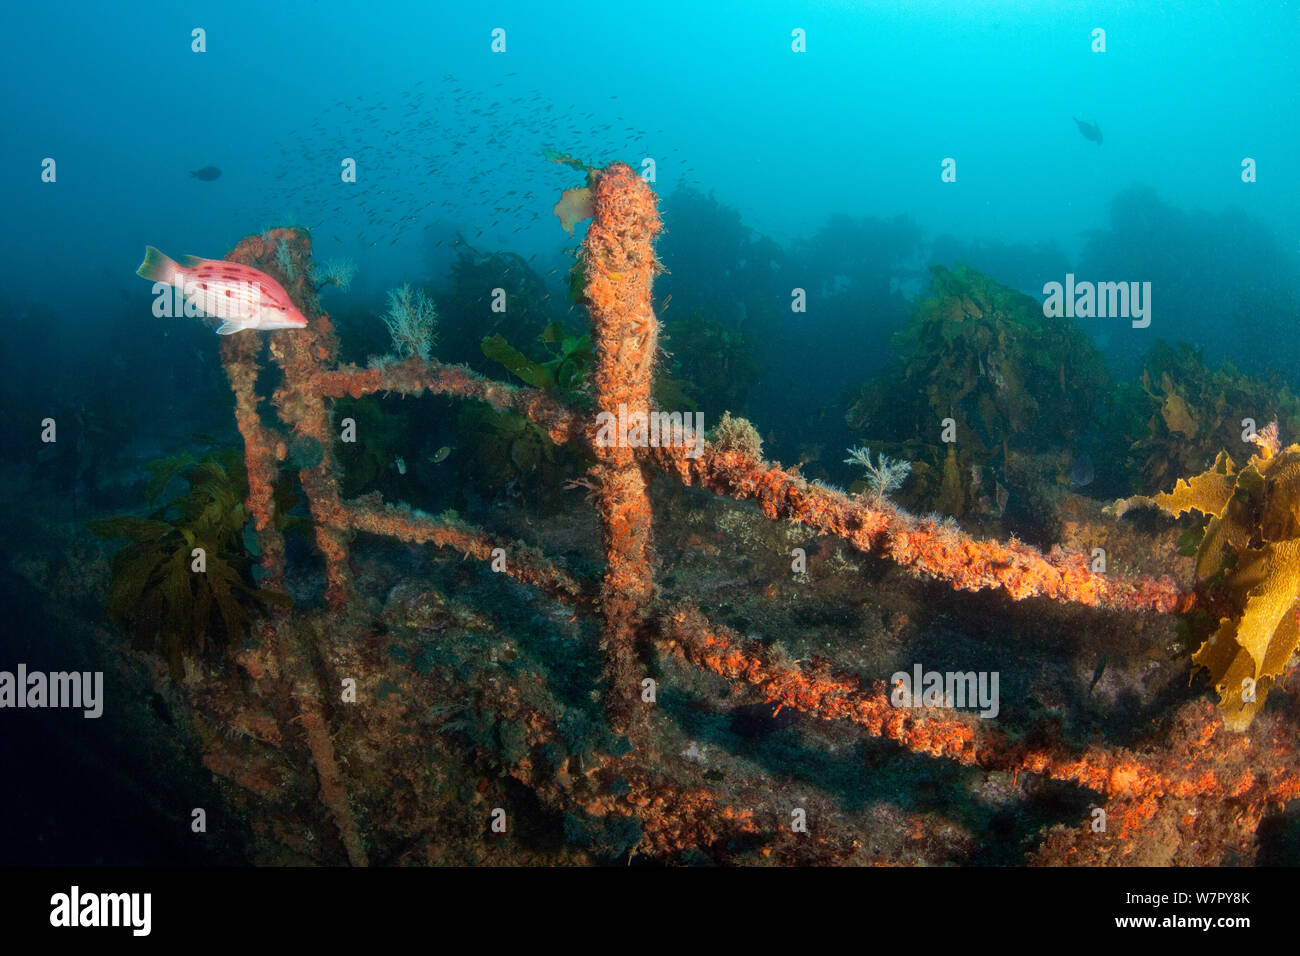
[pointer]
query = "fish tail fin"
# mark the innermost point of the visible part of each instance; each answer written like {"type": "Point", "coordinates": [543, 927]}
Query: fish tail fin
{"type": "Point", "coordinates": [157, 267]}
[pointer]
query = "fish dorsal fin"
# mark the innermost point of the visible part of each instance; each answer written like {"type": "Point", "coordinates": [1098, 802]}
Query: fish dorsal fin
{"type": "Point", "coordinates": [227, 327]}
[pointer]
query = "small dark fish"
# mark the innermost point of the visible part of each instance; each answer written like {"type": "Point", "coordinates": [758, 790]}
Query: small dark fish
{"type": "Point", "coordinates": [1089, 130]}
{"type": "Point", "coordinates": [1096, 674]}
{"type": "Point", "coordinates": [207, 173]}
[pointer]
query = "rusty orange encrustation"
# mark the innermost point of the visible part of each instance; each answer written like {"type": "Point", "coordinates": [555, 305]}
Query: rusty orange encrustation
{"type": "Point", "coordinates": [619, 264]}
{"type": "Point", "coordinates": [618, 260]}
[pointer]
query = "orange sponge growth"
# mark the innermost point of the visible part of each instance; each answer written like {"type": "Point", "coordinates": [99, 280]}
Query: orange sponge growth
{"type": "Point", "coordinates": [619, 264]}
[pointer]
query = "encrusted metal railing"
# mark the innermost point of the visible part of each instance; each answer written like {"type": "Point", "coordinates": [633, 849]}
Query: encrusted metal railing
{"type": "Point", "coordinates": [1188, 783]}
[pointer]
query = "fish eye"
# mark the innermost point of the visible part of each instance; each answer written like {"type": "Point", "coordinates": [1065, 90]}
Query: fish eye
{"type": "Point", "coordinates": [284, 308]}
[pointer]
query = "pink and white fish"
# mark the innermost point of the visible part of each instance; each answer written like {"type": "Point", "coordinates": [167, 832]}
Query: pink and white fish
{"type": "Point", "coordinates": [241, 296]}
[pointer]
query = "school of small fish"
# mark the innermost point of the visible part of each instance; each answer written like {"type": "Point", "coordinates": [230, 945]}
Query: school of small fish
{"type": "Point", "coordinates": [437, 159]}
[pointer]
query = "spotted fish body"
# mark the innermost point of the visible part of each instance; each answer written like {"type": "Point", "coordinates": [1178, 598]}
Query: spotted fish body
{"type": "Point", "coordinates": [239, 295]}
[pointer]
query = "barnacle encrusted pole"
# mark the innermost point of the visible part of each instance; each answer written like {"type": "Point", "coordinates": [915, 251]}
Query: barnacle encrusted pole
{"type": "Point", "coordinates": [239, 358]}
{"type": "Point", "coordinates": [619, 263]}
{"type": "Point", "coordinates": [414, 376]}
{"type": "Point", "coordinates": [924, 547]}
{"type": "Point", "coordinates": [940, 733]}
{"type": "Point", "coordinates": [1202, 777]}
{"type": "Point", "coordinates": [527, 564]}
{"type": "Point", "coordinates": [286, 255]}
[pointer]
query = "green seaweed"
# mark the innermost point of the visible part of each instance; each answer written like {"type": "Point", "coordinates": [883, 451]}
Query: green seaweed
{"type": "Point", "coordinates": [711, 365]}
{"type": "Point", "coordinates": [157, 596]}
{"type": "Point", "coordinates": [479, 282]}
{"type": "Point", "coordinates": [1184, 412]}
{"type": "Point", "coordinates": [506, 446]}
{"type": "Point", "coordinates": [564, 371]}
{"type": "Point", "coordinates": [985, 356]}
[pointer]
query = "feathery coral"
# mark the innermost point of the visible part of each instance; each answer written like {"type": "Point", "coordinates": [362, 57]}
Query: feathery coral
{"type": "Point", "coordinates": [335, 272]}
{"type": "Point", "coordinates": [412, 322]}
{"type": "Point", "coordinates": [884, 476]}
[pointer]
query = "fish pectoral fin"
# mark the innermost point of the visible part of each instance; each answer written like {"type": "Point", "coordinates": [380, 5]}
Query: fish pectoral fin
{"type": "Point", "coordinates": [227, 327]}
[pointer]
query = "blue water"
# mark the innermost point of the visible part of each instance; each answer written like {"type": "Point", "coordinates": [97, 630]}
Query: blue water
{"type": "Point", "coordinates": [858, 124]}
{"type": "Point", "coordinates": [824, 166]}
{"type": "Point", "coordinates": [447, 137]}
